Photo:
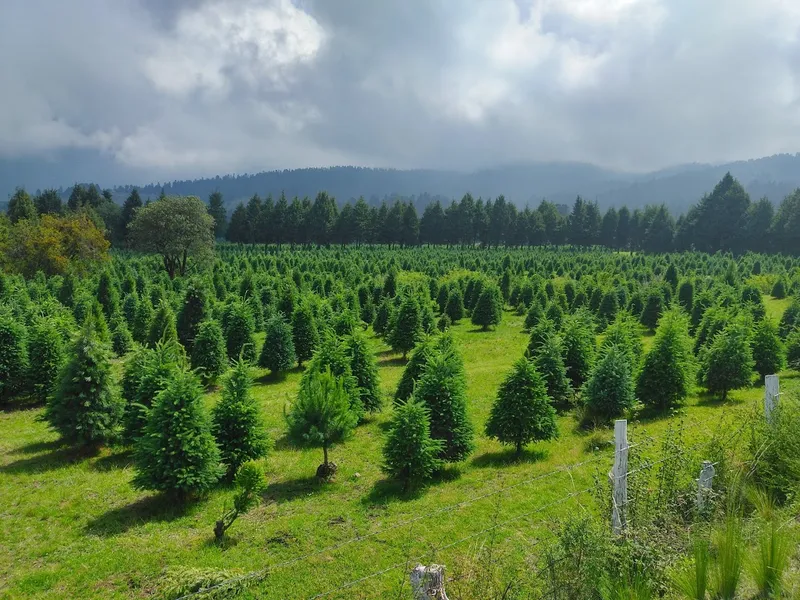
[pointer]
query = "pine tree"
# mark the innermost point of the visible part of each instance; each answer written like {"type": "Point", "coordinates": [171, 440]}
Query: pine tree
{"type": "Point", "coordinates": [121, 338]}
{"type": "Point", "coordinates": [194, 311]}
{"type": "Point", "coordinates": [653, 307]}
{"type": "Point", "coordinates": [455, 305]}
{"type": "Point", "coordinates": [209, 356]}
{"type": "Point", "coordinates": [13, 356]}
{"type": "Point", "coordinates": [177, 454]}
{"type": "Point", "coordinates": [539, 334]}
{"type": "Point", "coordinates": [162, 327]}
{"type": "Point", "coordinates": [489, 308]}
{"type": "Point", "coordinates": [413, 369]}
{"type": "Point", "coordinates": [107, 295]}
{"type": "Point", "coordinates": [304, 333]}
{"type": "Point", "coordinates": [728, 362]}
{"type": "Point", "coordinates": [522, 413]}
{"type": "Point", "coordinates": [410, 454]}
{"type": "Point", "coordinates": [237, 424]}
{"type": "Point", "coordinates": [609, 306]}
{"type": "Point", "coordinates": [533, 316]}
{"type": "Point", "coordinates": [550, 364]}
{"type": "Point", "coordinates": [442, 388]}
{"type": "Point", "coordinates": [768, 350]}
{"type": "Point", "coordinates": [332, 355]}
{"type": "Point", "coordinates": [365, 370]}
{"type": "Point", "coordinates": [277, 354]}
{"type": "Point", "coordinates": [793, 349]}
{"type": "Point", "coordinates": [407, 329]}
{"type": "Point", "coordinates": [141, 324]}
{"type": "Point", "coordinates": [686, 296]}
{"type": "Point", "coordinates": [669, 367]}
{"type": "Point", "coordinates": [578, 346]}
{"type": "Point", "coordinates": [46, 345]}
{"type": "Point", "coordinates": [624, 333]}
{"type": "Point", "coordinates": [86, 408]}
{"type": "Point", "coordinates": [383, 318]}
{"type": "Point", "coordinates": [609, 391]}
{"type": "Point", "coordinates": [239, 327]}
{"type": "Point", "coordinates": [321, 415]}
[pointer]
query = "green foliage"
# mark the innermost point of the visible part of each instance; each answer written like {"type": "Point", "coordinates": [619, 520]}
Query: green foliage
{"type": "Point", "coordinates": [442, 388]}
{"type": "Point", "coordinates": [624, 332]}
{"type": "Point", "coordinates": [410, 454]}
{"type": "Point", "coordinates": [550, 364]}
{"type": "Point", "coordinates": [414, 368]}
{"type": "Point", "coordinates": [141, 323]}
{"type": "Point", "coordinates": [304, 333]}
{"type": "Point", "coordinates": [609, 391]}
{"type": "Point", "coordinates": [779, 289]}
{"type": "Point", "coordinates": [321, 415]}
{"type": "Point", "coordinates": [790, 318]}
{"type": "Point", "coordinates": [692, 581]}
{"type": "Point", "coordinates": [365, 370]}
{"type": "Point", "coordinates": [769, 353]}
{"type": "Point", "coordinates": [333, 355]}
{"type": "Point", "coordinates": [162, 327]}
{"type": "Point", "coordinates": [729, 560]}
{"type": "Point", "coordinates": [86, 408]}
{"type": "Point", "coordinates": [539, 334]}
{"type": "Point", "coordinates": [407, 329]}
{"type": "Point", "coordinates": [237, 423]}
{"type": "Point", "coordinates": [238, 326]}
{"type": "Point", "coordinates": [669, 368]}
{"type": "Point", "coordinates": [209, 356]}
{"type": "Point", "coordinates": [522, 413]}
{"type": "Point", "coordinates": [46, 345]}
{"type": "Point", "coordinates": [455, 305]}
{"type": "Point", "coordinates": [177, 454]}
{"type": "Point", "coordinates": [578, 346]}
{"type": "Point", "coordinates": [653, 307]}
{"type": "Point", "coordinates": [727, 364]}
{"type": "Point", "coordinates": [121, 338]}
{"type": "Point", "coordinates": [775, 548]}
{"type": "Point", "coordinates": [775, 448]}
{"type": "Point", "coordinates": [194, 311]}
{"type": "Point", "coordinates": [250, 483]}
{"type": "Point", "coordinates": [686, 296]}
{"type": "Point", "coordinates": [489, 307]}
{"type": "Point", "coordinates": [793, 349]}
{"type": "Point", "coordinates": [277, 354]}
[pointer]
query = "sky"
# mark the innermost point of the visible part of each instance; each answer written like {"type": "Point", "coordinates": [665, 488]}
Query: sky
{"type": "Point", "coordinates": [190, 88]}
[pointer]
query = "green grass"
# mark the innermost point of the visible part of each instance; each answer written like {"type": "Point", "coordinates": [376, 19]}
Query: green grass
{"type": "Point", "coordinates": [73, 526]}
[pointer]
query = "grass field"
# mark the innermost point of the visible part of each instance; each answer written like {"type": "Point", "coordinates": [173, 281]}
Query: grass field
{"type": "Point", "coordinates": [74, 527]}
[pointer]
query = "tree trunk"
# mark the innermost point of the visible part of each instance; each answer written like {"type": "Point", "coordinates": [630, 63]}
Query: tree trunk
{"type": "Point", "coordinates": [325, 454]}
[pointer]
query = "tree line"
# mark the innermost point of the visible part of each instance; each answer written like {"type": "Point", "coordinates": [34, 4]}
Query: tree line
{"type": "Point", "coordinates": [724, 220]}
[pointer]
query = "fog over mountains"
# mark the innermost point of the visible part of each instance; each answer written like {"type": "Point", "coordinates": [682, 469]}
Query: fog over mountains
{"type": "Point", "coordinates": [677, 187]}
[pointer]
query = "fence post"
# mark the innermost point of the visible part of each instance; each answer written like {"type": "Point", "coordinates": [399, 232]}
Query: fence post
{"type": "Point", "coordinates": [771, 395]}
{"type": "Point", "coordinates": [427, 583]}
{"type": "Point", "coordinates": [619, 477]}
{"type": "Point", "coordinates": [704, 483]}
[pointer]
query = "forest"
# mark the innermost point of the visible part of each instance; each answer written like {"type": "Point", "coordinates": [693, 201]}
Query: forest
{"type": "Point", "coordinates": [305, 413]}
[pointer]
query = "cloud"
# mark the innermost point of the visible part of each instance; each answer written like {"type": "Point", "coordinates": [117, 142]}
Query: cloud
{"type": "Point", "coordinates": [191, 88]}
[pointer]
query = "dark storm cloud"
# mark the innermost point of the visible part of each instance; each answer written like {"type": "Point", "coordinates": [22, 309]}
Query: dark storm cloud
{"type": "Point", "coordinates": [185, 88]}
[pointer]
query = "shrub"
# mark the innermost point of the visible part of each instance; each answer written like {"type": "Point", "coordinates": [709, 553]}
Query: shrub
{"type": "Point", "coordinates": [410, 454]}
{"type": "Point", "coordinates": [768, 351]}
{"type": "Point", "coordinates": [209, 356]}
{"type": "Point", "coordinates": [250, 483]}
{"type": "Point", "coordinates": [46, 345]}
{"type": "Point", "coordinates": [779, 289]}
{"type": "Point", "coordinates": [277, 353]}
{"type": "Point", "coordinates": [177, 454]}
{"type": "Point", "coordinates": [609, 391]}
{"type": "Point", "coordinates": [728, 362]}
{"type": "Point", "coordinates": [365, 370]}
{"type": "Point", "coordinates": [521, 413]}
{"type": "Point", "coordinates": [669, 367]}
{"type": "Point", "coordinates": [407, 329]}
{"type": "Point", "coordinates": [774, 448]}
{"type": "Point", "coordinates": [86, 409]}
{"type": "Point", "coordinates": [321, 415]}
{"type": "Point", "coordinates": [304, 333]}
{"type": "Point", "coordinates": [442, 388]}
{"type": "Point", "coordinates": [236, 421]}
{"type": "Point", "coordinates": [489, 307]}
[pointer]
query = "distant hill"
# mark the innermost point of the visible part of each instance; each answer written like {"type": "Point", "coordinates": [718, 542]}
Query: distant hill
{"type": "Point", "coordinates": [560, 182]}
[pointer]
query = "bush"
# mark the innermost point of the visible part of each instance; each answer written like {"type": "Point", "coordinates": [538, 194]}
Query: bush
{"type": "Point", "coordinates": [442, 388]}
{"type": "Point", "coordinates": [46, 345]}
{"type": "Point", "coordinates": [277, 354]}
{"type": "Point", "coordinates": [237, 424]}
{"type": "Point", "coordinates": [86, 409]}
{"type": "Point", "coordinates": [365, 370]}
{"type": "Point", "coordinates": [609, 391]}
{"type": "Point", "coordinates": [250, 483]}
{"type": "Point", "coordinates": [238, 326]}
{"type": "Point", "coordinates": [669, 367]}
{"type": "Point", "coordinates": [489, 307]}
{"type": "Point", "coordinates": [209, 356]}
{"type": "Point", "coordinates": [768, 351]}
{"type": "Point", "coordinates": [443, 324]}
{"type": "Point", "coordinates": [533, 316]}
{"type": "Point", "coordinates": [410, 454]}
{"type": "Point", "coordinates": [177, 454]}
{"type": "Point", "coordinates": [522, 414]}
{"type": "Point", "coordinates": [793, 349]}
{"type": "Point", "coordinates": [774, 448]}
{"type": "Point", "coordinates": [728, 362]}
{"type": "Point", "coordinates": [304, 333]}
{"type": "Point", "coordinates": [321, 415]}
